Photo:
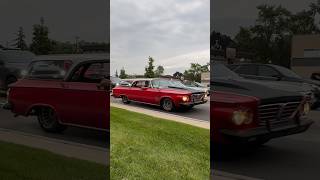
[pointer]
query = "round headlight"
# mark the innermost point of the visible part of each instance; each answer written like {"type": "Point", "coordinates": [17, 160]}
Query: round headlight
{"type": "Point", "coordinates": [242, 117]}
{"type": "Point", "coordinates": [185, 98]}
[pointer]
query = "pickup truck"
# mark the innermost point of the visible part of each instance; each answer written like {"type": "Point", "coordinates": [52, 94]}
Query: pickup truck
{"type": "Point", "coordinates": [166, 93]}
{"type": "Point", "coordinates": [247, 112]}
{"type": "Point", "coordinates": [60, 97]}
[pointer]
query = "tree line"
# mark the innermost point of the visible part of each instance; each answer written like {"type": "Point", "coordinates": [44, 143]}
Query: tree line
{"type": "Point", "coordinates": [270, 38]}
{"type": "Point", "coordinates": [42, 45]}
{"type": "Point", "coordinates": [191, 74]}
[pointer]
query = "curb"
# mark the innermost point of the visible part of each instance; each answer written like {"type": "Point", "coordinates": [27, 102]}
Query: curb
{"type": "Point", "coordinates": [190, 121]}
{"type": "Point", "coordinates": [66, 148]}
{"type": "Point", "coordinates": [220, 175]}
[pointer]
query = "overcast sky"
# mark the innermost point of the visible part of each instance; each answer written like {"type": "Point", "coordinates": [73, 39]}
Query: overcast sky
{"type": "Point", "coordinates": [66, 19]}
{"type": "Point", "coordinates": [229, 15]}
{"type": "Point", "coordinates": [174, 32]}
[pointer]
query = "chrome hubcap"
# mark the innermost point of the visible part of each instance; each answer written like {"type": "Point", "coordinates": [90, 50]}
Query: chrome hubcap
{"type": "Point", "coordinates": [167, 105]}
{"type": "Point", "coordinates": [47, 118]}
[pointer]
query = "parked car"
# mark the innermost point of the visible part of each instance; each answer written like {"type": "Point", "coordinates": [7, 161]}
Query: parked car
{"type": "Point", "coordinates": [12, 65]}
{"type": "Point", "coordinates": [246, 112]}
{"type": "Point", "coordinates": [60, 98]}
{"type": "Point", "coordinates": [198, 86]}
{"type": "Point", "coordinates": [115, 81]}
{"type": "Point", "coordinates": [270, 72]}
{"type": "Point", "coordinates": [169, 94]}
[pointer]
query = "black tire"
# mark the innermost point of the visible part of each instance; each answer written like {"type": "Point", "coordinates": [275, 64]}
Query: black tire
{"type": "Point", "coordinates": [48, 120]}
{"type": "Point", "coordinates": [167, 104]}
{"type": "Point", "coordinates": [125, 100]}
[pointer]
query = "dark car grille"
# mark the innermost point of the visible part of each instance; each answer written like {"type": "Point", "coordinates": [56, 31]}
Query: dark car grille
{"type": "Point", "coordinates": [277, 114]}
{"type": "Point", "coordinates": [197, 97]}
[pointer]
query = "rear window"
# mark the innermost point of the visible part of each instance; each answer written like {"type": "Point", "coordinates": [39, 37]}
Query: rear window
{"type": "Point", "coordinates": [246, 70]}
{"type": "Point", "coordinates": [48, 69]}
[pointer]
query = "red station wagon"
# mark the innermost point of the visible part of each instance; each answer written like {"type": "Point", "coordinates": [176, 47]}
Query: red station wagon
{"type": "Point", "coordinates": [62, 96]}
{"type": "Point", "coordinates": [169, 94]}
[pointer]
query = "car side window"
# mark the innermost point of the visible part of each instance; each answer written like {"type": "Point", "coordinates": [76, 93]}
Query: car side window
{"type": "Point", "coordinates": [155, 83]}
{"type": "Point", "coordinates": [246, 70]}
{"type": "Point", "coordinates": [267, 71]}
{"type": "Point", "coordinates": [137, 84]}
{"type": "Point", "coordinates": [91, 73]}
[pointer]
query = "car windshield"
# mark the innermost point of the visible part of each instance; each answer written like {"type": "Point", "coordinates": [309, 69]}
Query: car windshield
{"type": "Point", "coordinates": [199, 85]}
{"type": "Point", "coordinates": [287, 72]}
{"type": "Point", "coordinates": [48, 69]}
{"type": "Point", "coordinates": [168, 83]}
{"type": "Point", "coordinates": [221, 71]}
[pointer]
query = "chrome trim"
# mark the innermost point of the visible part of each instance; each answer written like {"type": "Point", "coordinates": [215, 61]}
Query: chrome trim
{"type": "Point", "coordinates": [87, 127]}
{"type": "Point", "coordinates": [275, 114]}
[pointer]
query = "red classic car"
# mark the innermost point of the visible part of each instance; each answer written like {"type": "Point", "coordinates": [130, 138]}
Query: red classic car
{"type": "Point", "coordinates": [169, 94]}
{"type": "Point", "coordinates": [60, 98]}
{"type": "Point", "coordinates": [246, 112]}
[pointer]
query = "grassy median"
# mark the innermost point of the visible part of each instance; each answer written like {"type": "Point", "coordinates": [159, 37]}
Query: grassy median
{"type": "Point", "coordinates": [23, 163]}
{"type": "Point", "coordinates": [144, 147]}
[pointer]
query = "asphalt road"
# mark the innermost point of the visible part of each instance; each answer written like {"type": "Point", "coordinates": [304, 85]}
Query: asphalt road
{"type": "Point", "coordinates": [30, 125]}
{"type": "Point", "coordinates": [293, 157]}
{"type": "Point", "coordinates": [201, 112]}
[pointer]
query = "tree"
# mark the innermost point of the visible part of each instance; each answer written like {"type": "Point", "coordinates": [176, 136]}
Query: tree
{"type": "Point", "coordinates": [41, 43]}
{"type": "Point", "coordinates": [123, 74]}
{"type": "Point", "coordinates": [159, 71]}
{"type": "Point", "coordinates": [195, 71]}
{"type": "Point", "coordinates": [117, 75]}
{"type": "Point", "coordinates": [20, 42]}
{"type": "Point", "coordinates": [270, 37]}
{"type": "Point", "coordinates": [177, 75]}
{"type": "Point", "coordinates": [149, 73]}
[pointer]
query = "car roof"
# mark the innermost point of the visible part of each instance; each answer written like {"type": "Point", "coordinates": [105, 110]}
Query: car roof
{"type": "Point", "coordinates": [75, 58]}
{"type": "Point", "coordinates": [256, 64]}
{"type": "Point", "coordinates": [139, 79]}
{"type": "Point", "coordinates": [149, 79]}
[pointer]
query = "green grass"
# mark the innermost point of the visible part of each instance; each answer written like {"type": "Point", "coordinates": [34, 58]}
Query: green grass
{"type": "Point", "coordinates": [23, 163]}
{"type": "Point", "coordinates": [144, 147]}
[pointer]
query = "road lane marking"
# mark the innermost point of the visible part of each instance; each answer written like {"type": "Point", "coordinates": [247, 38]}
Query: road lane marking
{"type": "Point", "coordinates": [221, 175]}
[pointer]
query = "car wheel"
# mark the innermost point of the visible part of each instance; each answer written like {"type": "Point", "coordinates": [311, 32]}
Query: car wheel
{"type": "Point", "coordinates": [167, 104]}
{"type": "Point", "coordinates": [48, 120]}
{"type": "Point", "coordinates": [125, 99]}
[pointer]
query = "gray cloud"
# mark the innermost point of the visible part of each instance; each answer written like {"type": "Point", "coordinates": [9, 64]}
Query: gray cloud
{"type": "Point", "coordinates": [66, 19]}
{"type": "Point", "coordinates": [165, 30]}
